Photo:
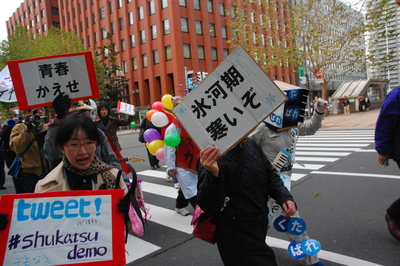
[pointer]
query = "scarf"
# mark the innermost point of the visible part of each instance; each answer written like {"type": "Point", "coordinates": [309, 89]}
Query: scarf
{"type": "Point", "coordinates": [96, 167]}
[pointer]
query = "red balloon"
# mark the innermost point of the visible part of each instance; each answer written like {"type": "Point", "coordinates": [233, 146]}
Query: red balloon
{"type": "Point", "coordinates": [157, 106]}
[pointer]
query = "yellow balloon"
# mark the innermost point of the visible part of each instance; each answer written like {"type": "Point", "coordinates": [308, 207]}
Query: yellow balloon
{"type": "Point", "coordinates": [154, 146]}
{"type": "Point", "coordinates": [167, 101]}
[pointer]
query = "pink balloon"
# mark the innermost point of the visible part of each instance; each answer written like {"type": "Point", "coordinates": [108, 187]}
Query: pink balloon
{"type": "Point", "coordinates": [160, 154]}
{"type": "Point", "coordinates": [157, 105]}
{"type": "Point", "coordinates": [151, 134]}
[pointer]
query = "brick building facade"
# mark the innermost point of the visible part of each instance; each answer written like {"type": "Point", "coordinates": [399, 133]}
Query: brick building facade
{"type": "Point", "coordinates": [158, 40]}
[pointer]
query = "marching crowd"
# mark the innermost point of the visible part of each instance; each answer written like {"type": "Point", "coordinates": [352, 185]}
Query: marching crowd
{"type": "Point", "coordinates": [78, 149]}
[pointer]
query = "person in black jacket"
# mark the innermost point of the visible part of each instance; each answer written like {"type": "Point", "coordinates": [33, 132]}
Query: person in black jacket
{"type": "Point", "coordinates": [146, 124]}
{"type": "Point", "coordinates": [239, 183]}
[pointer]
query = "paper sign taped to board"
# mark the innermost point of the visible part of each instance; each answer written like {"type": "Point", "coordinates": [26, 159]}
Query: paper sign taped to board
{"type": "Point", "coordinates": [229, 103]}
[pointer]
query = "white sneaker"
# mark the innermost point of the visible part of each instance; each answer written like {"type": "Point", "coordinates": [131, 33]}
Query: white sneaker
{"type": "Point", "coordinates": [182, 211]}
{"type": "Point", "coordinates": [176, 185]}
{"type": "Point", "coordinates": [167, 177]}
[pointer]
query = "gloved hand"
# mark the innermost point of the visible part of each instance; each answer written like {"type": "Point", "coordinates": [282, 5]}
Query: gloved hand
{"type": "Point", "coordinates": [28, 123]}
{"type": "Point", "coordinates": [3, 221]}
{"type": "Point", "coordinates": [123, 205]}
{"type": "Point", "coordinates": [61, 105]}
{"type": "Point", "coordinates": [320, 105]}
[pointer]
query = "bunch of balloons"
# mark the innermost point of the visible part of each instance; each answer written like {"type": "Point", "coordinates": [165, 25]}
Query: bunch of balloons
{"type": "Point", "coordinates": [160, 118]}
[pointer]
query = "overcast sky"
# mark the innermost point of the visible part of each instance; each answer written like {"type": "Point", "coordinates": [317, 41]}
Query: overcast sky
{"type": "Point", "coordinates": [8, 7]}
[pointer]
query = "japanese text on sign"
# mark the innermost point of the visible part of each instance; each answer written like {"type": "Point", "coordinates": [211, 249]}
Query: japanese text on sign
{"type": "Point", "coordinates": [227, 105]}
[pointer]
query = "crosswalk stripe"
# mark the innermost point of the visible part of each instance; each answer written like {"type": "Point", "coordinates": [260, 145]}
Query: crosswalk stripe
{"type": "Point", "coordinates": [137, 248]}
{"type": "Point", "coordinates": [334, 141]}
{"type": "Point", "coordinates": [162, 190]}
{"type": "Point", "coordinates": [308, 166]}
{"type": "Point", "coordinates": [170, 218]}
{"type": "Point", "coordinates": [323, 153]}
{"type": "Point", "coordinates": [341, 138]}
{"type": "Point", "coordinates": [316, 159]}
{"type": "Point", "coordinates": [356, 174]}
{"type": "Point", "coordinates": [331, 145]}
{"type": "Point", "coordinates": [325, 149]}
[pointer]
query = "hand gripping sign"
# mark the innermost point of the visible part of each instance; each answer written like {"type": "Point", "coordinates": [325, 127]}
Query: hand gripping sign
{"type": "Point", "coordinates": [63, 228]}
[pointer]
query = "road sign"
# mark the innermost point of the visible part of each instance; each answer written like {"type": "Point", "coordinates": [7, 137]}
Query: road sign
{"type": "Point", "coordinates": [189, 82]}
{"type": "Point", "coordinates": [319, 74]}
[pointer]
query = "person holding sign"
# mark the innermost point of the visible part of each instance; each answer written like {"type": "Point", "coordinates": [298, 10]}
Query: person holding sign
{"type": "Point", "coordinates": [111, 124]}
{"type": "Point", "coordinates": [279, 146]}
{"type": "Point", "coordinates": [235, 189]}
{"type": "Point", "coordinates": [80, 168]}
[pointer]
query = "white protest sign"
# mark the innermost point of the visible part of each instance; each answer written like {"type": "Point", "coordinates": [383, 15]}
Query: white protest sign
{"type": "Point", "coordinates": [126, 108]}
{"type": "Point", "coordinates": [229, 103]}
{"type": "Point", "coordinates": [7, 93]}
{"type": "Point", "coordinates": [61, 228]}
{"type": "Point", "coordinates": [38, 81]}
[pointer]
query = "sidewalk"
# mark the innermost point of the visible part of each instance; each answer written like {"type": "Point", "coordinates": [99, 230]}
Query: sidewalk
{"type": "Point", "coordinates": [364, 120]}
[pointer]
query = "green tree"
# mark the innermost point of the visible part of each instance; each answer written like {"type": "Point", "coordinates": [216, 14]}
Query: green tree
{"type": "Point", "coordinates": [263, 29]}
{"type": "Point", "coordinates": [111, 79]}
{"type": "Point", "coordinates": [324, 35]}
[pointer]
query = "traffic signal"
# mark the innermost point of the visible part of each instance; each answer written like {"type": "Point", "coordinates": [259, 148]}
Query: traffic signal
{"type": "Point", "coordinates": [199, 77]}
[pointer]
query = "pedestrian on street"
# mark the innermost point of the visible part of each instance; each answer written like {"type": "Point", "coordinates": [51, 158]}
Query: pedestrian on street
{"type": "Point", "coordinates": [346, 106]}
{"type": "Point", "coordinates": [235, 189]}
{"type": "Point", "coordinates": [272, 143]}
{"type": "Point", "coordinates": [181, 163]}
{"type": "Point", "coordinates": [146, 124]}
{"type": "Point", "coordinates": [367, 103]}
{"type": "Point", "coordinates": [361, 103]}
{"type": "Point", "coordinates": [387, 144]}
{"type": "Point", "coordinates": [111, 124]}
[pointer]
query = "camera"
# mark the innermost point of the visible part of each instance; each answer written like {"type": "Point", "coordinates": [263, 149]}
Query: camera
{"type": "Point", "coordinates": [37, 119]}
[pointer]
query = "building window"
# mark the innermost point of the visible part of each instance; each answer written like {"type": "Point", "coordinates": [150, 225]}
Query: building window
{"type": "Point", "coordinates": [214, 54]}
{"type": "Point", "coordinates": [210, 6]}
{"type": "Point", "coordinates": [166, 26]}
{"type": "Point", "coordinates": [142, 36]}
{"type": "Point", "coordinates": [212, 29]}
{"type": "Point", "coordinates": [199, 27]}
{"type": "Point", "coordinates": [226, 52]}
{"type": "Point", "coordinates": [141, 13]}
{"type": "Point", "coordinates": [186, 50]}
{"type": "Point", "coordinates": [44, 27]}
{"type": "Point", "coordinates": [112, 27]}
{"type": "Point", "coordinates": [104, 32]}
{"type": "Point", "coordinates": [87, 22]}
{"type": "Point", "coordinates": [164, 4]}
{"type": "Point", "coordinates": [124, 67]}
{"type": "Point", "coordinates": [123, 45]}
{"type": "Point", "coordinates": [133, 41]}
{"type": "Point", "coordinates": [102, 12]}
{"type": "Point", "coordinates": [120, 3]}
{"type": "Point", "coordinates": [134, 63]}
{"type": "Point", "coordinates": [222, 9]}
{"type": "Point", "coordinates": [153, 32]}
{"type": "Point", "coordinates": [197, 4]}
{"type": "Point", "coordinates": [144, 60]}
{"type": "Point", "coordinates": [95, 37]}
{"type": "Point", "coordinates": [224, 32]}
{"type": "Point", "coordinates": [93, 18]}
{"type": "Point", "coordinates": [121, 23]}
{"type": "Point", "coordinates": [168, 52]}
{"type": "Point", "coordinates": [182, 2]}
{"type": "Point", "coordinates": [184, 25]}
{"type": "Point", "coordinates": [130, 18]}
{"type": "Point", "coordinates": [152, 8]}
{"type": "Point", "coordinates": [156, 58]}
{"type": "Point", "coordinates": [111, 7]}
{"type": "Point", "coordinates": [233, 12]}
{"type": "Point", "coordinates": [80, 26]}
{"type": "Point", "coordinates": [200, 51]}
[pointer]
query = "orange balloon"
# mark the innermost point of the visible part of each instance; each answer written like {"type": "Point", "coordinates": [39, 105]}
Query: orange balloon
{"type": "Point", "coordinates": [150, 113]}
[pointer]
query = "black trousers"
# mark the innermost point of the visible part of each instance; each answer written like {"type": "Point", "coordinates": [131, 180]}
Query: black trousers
{"type": "Point", "coordinates": [182, 202]}
{"type": "Point", "coordinates": [394, 209]}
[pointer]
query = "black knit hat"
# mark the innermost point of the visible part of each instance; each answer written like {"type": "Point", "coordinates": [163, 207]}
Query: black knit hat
{"type": "Point", "coordinates": [101, 105]}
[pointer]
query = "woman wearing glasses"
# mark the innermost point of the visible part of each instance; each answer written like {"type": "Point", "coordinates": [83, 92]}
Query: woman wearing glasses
{"type": "Point", "coordinates": [80, 168]}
